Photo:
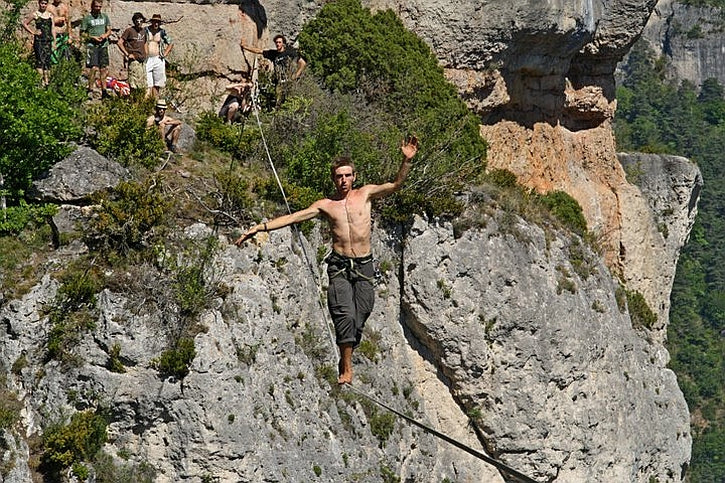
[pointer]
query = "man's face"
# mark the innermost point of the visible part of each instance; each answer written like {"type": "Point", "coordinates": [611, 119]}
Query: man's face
{"type": "Point", "coordinates": [95, 8]}
{"type": "Point", "coordinates": [279, 44]}
{"type": "Point", "coordinates": [42, 5]}
{"type": "Point", "coordinates": [156, 24]}
{"type": "Point", "coordinates": [344, 178]}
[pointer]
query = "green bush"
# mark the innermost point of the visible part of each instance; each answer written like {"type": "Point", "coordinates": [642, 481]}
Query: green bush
{"type": "Point", "coordinates": [232, 200]}
{"type": "Point", "coordinates": [10, 406]}
{"type": "Point", "coordinates": [114, 363]}
{"type": "Point", "coordinates": [36, 124]}
{"type": "Point", "coordinates": [639, 311]}
{"type": "Point", "coordinates": [72, 312]}
{"type": "Point", "coordinates": [126, 221]}
{"type": "Point", "coordinates": [107, 471]}
{"type": "Point", "coordinates": [116, 128]}
{"type": "Point", "coordinates": [382, 425]}
{"type": "Point", "coordinates": [192, 287]}
{"type": "Point", "coordinates": [353, 50]}
{"type": "Point", "coordinates": [16, 218]}
{"type": "Point", "coordinates": [502, 178]}
{"type": "Point", "coordinates": [175, 362]}
{"type": "Point", "coordinates": [78, 441]}
{"type": "Point", "coordinates": [567, 210]}
{"type": "Point", "coordinates": [232, 139]}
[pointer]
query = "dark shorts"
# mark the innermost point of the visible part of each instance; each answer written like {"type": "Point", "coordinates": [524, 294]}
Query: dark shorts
{"type": "Point", "coordinates": [350, 295]}
{"type": "Point", "coordinates": [97, 56]}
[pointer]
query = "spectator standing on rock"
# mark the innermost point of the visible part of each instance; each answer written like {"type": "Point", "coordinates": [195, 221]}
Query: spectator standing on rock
{"type": "Point", "coordinates": [95, 29]}
{"type": "Point", "coordinates": [61, 20]}
{"type": "Point", "coordinates": [168, 127]}
{"type": "Point", "coordinates": [350, 293]}
{"type": "Point", "coordinates": [133, 47]}
{"type": "Point", "coordinates": [288, 64]}
{"type": "Point", "coordinates": [43, 33]}
{"type": "Point", "coordinates": [158, 47]}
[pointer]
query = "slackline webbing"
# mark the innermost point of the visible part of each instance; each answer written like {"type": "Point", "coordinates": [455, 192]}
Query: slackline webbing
{"type": "Point", "coordinates": [499, 465]}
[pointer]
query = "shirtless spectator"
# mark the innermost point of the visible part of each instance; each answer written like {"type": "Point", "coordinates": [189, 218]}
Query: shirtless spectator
{"type": "Point", "coordinates": [43, 33]}
{"type": "Point", "coordinates": [238, 102]}
{"type": "Point", "coordinates": [168, 127]}
{"type": "Point", "coordinates": [158, 47]}
{"type": "Point", "coordinates": [61, 19]}
{"type": "Point", "coordinates": [350, 293]}
{"type": "Point", "coordinates": [132, 45]}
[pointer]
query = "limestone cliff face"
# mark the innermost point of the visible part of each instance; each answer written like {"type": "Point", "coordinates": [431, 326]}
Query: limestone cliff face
{"type": "Point", "coordinates": [691, 38]}
{"type": "Point", "coordinates": [542, 79]}
{"type": "Point", "coordinates": [491, 336]}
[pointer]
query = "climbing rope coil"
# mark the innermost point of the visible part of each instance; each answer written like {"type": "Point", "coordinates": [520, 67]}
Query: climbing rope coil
{"type": "Point", "coordinates": [482, 456]}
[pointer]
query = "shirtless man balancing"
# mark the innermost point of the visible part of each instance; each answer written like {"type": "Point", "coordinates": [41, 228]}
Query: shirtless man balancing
{"type": "Point", "coordinates": [350, 294]}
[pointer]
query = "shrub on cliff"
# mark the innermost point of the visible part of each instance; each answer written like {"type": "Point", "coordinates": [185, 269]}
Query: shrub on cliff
{"type": "Point", "coordinates": [116, 128]}
{"type": "Point", "coordinates": [127, 220]}
{"type": "Point", "coordinates": [36, 124]}
{"type": "Point", "coordinates": [353, 50]}
{"type": "Point", "coordinates": [567, 210]}
{"type": "Point", "coordinates": [78, 441]}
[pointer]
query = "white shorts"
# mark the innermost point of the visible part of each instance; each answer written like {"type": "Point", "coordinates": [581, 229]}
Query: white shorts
{"type": "Point", "coordinates": [155, 72]}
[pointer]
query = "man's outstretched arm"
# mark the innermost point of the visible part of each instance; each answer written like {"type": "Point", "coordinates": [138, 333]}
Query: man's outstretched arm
{"type": "Point", "coordinates": [281, 222]}
{"type": "Point", "coordinates": [409, 150]}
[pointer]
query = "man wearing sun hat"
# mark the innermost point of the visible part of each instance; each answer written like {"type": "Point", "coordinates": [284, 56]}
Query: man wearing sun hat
{"type": "Point", "coordinates": [158, 46]}
{"type": "Point", "coordinates": [168, 127]}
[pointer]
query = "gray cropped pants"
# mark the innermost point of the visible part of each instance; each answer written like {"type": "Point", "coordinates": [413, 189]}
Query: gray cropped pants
{"type": "Point", "coordinates": [350, 295]}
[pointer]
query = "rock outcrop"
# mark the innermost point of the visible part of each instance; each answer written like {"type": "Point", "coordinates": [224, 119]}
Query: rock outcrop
{"type": "Point", "coordinates": [492, 337]}
{"type": "Point", "coordinates": [74, 179]}
{"type": "Point", "coordinates": [513, 338]}
{"type": "Point", "coordinates": [691, 38]}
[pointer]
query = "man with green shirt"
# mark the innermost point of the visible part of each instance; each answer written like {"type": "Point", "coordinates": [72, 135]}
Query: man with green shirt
{"type": "Point", "coordinates": [95, 29]}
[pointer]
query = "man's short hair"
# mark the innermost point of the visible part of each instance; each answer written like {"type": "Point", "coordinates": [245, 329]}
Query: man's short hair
{"type": "Point", "coordinates": [280, 36]}
{"type": "Point", "coordinates": [339, 162]}
{"type": "Point", "coordinates": [97, 2]}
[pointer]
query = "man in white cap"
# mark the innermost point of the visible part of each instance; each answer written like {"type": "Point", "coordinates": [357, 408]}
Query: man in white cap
{"type": "Point", "coordinates": [168, 127]}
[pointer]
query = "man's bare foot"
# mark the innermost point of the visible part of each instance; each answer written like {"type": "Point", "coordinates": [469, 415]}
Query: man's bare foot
{"type": "Point", "coordinates": [345, 378]}
{"type": "Point", "coordinates": [344, 367]}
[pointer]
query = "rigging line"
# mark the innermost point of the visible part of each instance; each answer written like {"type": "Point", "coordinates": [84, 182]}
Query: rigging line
{"type": "Point", "coordinates": [255, 107]}
{"type": "Point", "coordinates": [499, 465]}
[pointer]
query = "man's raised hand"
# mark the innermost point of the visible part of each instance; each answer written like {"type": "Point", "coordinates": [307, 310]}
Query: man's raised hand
{"type": "Point", "coordinates": [410, 147]}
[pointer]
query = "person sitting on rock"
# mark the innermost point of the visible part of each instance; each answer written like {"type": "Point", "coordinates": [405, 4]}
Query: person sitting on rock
{"type": "Point", "coordinates": [168, 127]}
{"type": "Point", "coordinates": [238, 103]}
